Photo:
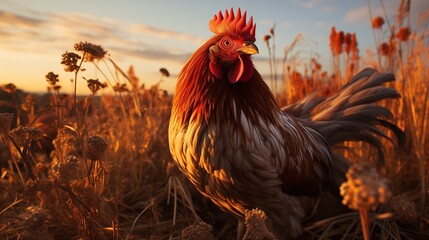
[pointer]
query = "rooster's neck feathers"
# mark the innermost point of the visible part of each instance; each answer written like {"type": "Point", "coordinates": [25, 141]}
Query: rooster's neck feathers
{"type": "Point", "coordinates": [199, 95]}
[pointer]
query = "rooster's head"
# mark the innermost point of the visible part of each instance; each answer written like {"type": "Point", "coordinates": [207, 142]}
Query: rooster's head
{"type": "Point", "coordinates": [230, 55]}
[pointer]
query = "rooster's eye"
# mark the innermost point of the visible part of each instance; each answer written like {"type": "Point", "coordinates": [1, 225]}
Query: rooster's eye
{"type": "Point", "coordinates": [226, 43]}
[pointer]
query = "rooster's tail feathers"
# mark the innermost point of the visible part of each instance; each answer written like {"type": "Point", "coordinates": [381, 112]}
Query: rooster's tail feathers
{"type": "Point", "coordinates": [353, 113]}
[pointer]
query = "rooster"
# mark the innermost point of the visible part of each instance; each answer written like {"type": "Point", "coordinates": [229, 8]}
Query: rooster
{"type": "Point", "coordinates": [242, 151]}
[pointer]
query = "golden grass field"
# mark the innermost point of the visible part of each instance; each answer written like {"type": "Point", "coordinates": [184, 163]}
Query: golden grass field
{"type": "Point", "coordinates": [99, 167]}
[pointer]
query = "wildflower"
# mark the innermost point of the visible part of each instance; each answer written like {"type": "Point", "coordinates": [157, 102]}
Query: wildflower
{"type": "Point", "coordinates": [33, 218]}
{"type": "Point", "coordinates": [94, 85]}
{"type": "Point", "coordinates": [403, 34]}
{"type": "Point", "coordinates": [267, 38]}
{"type": "Point", "coordinates": [95, 147]}
{"type": "Point", "coordinates": [164, 72]}
{"type": "Point", "coordinates": [255, 225]}
{"type": "Point", "coordinates": [200, 231]}
{"type": "Point", "coordinates": [377, 22]}
{"type": "Point", "coordinates": [5, 123]}
{"type": "Point", "coordinates": [70, 59]}
{"type": "Point", "coordinates": [92, 51]}
{"type": "Point", "coordinates": [347, 42]}
{"type": "Point", "coordinates": [68, 170]}
{"type": "Point", "coordinates": [364, 189]}
{"type": "Point", "coordinates": [52, 78]}
{"type": "Point", "coordinates": [404, 209]}
{"type": "Point", "coordinates": [9, 88]}
{"type": "Point", "coordinates": [339, 40]}
{"type": "Point", "coordinates": [332, 36]}
{"type": "Point", "coordinates": [384, 49]}
{"type": "Point", "coordinates": [24, 135]}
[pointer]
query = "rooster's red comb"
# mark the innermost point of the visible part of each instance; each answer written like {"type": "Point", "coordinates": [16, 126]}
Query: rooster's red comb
{"type": "Point", "coordinates": [220, 23]}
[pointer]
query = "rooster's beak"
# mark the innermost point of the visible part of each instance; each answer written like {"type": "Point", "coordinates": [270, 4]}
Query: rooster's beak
{"type": "Point", "coordinates": [248, 48]}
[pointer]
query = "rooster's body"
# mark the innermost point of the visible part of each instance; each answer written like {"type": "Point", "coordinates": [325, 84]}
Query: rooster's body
{"type": "Point", "coordinates": [239, 149]}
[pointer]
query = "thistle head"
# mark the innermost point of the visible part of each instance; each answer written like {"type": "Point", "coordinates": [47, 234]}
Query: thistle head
{"type": "Point", "coordinates": [364, 189]}
{"type": "Point", "coordinates": [198, 231]}
{"type": "Point", "coordinates": [95, 148]}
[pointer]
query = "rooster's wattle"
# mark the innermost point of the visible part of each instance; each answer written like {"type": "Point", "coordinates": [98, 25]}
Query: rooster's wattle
{"type": "Point", "coordinates": [242, 151]}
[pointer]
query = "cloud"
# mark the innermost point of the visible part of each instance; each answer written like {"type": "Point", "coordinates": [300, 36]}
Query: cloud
{"type": "Point", "coordinates": [266, 22]}
{"type": "Point", "coordinates": [390, 8]}
{"type": "Point", "coordinates": [362, 14]}
{"type": "Point", "coordinates": [357, 15]}
{"type": "Point", "coordinates": [152, 54]}
{"type": "Point", "coordinates": [319, 4]}
{"type": "Point", "coordinates": [18, 20]}
{"type": "Point", "coordinates": [321, 25]}
{"type": "Point", "coordinates": [166, 34]}
{"type": "Point", "coordinates": [57, 32]}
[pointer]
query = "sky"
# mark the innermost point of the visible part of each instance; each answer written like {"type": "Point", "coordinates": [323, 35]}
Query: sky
{"type": "Point", "coordinates": [150, 34]}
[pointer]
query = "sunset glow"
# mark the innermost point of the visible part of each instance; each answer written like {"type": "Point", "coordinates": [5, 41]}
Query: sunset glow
{"type": "Point", "coordinates": [153, 34]}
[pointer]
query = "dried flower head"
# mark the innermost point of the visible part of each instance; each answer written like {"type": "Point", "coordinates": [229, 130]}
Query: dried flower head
{"type": "Point", "coordinates": [256, 228]}
{"type": "Point", "coordinates": [52, 78]}
{"type": "Point", "coordinates": [5, 123]}
{"type": "Point", "coordinates": [200, 231]}
{"type": "Point", "coordinates": [94, 85]}
{"type": "Point", "coordinates": [9, 88]}
{"type": "Point", "coordinates": [68, 170]}
{"type": "Point", "coordinates": [403, 34]}
{"type": "Point", "coordinates": [347, 42]}
{"type": "Point", "coordinates": [404, 209]}
{"type": "Point", "coordinates": [24, 135]}
{"type": "Point", "coordinates": [339, 40]}
{"type": "Point", "coordinates": [384, 49]}
{"type": "Point", "coordinates": [164, 72]}
{"type": "Point", "coordinates": [377, 22]}
{"type": "Point", "coordinates": [33, 219]}
{"type": "Point", "coordinates": [332, 37]}
{"type": "Point", "coordinates": [267, 38]}
{"type": "Point", "coordinates": [70, 59]}
{"type": "Point", "coordinates": [364, 189]}
{"type": "Point", "coordinates": [91, 51]}
{"type": "Point", "coordinates": [95, 147]}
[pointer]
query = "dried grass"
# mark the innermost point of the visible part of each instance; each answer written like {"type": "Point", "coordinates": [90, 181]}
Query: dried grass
{"type": "Point", "coordinates": [133, 190]}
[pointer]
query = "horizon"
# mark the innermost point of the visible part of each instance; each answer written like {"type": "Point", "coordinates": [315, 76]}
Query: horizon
{"type": "Point", "coordinates": [149, 36]}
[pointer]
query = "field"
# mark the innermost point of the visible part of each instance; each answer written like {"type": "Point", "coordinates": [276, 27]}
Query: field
{"type": "Point", "coordinates": [99, 167]}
